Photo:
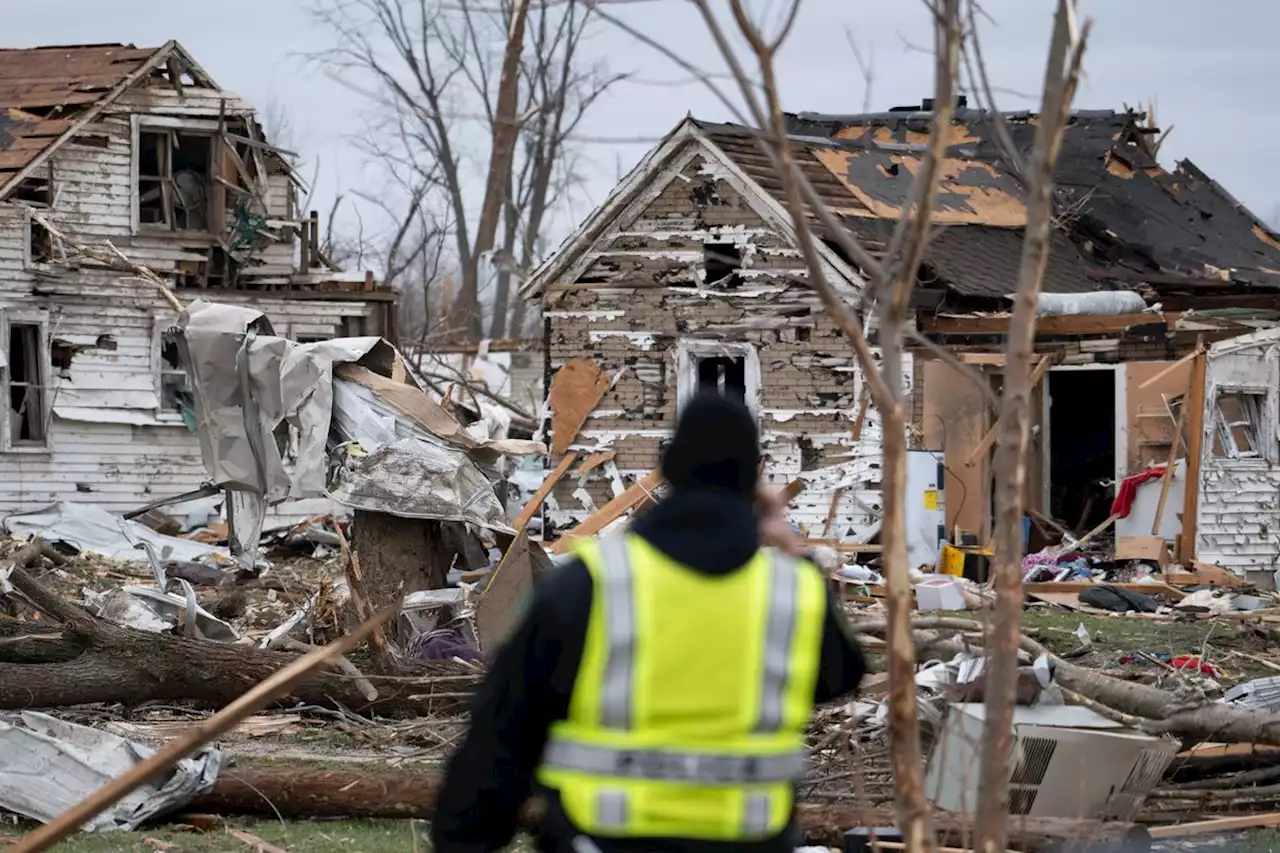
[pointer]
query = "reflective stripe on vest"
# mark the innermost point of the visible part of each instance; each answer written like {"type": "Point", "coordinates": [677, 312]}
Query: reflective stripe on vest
{"type": "Point", "coordinates": [663, 765]}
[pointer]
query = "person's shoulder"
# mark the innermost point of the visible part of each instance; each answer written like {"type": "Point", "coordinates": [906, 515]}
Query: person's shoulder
{"type": "Point", "coordinates": [565, 590]}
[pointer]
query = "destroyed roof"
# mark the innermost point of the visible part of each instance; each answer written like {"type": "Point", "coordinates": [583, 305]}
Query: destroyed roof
{"type": "Point", "coordinates": [48, 93]}
{"type": "Point", "coordinates": [1130, 219]}
{"type": "Point", "coordinates": [1127, 219]}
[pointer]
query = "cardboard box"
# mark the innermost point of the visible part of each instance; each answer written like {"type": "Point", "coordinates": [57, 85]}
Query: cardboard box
{"type": "Point", "coordinates": [1148, 548]}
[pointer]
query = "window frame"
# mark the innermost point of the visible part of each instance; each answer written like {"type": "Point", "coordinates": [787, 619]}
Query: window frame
{"type": "Point", "coordinates": [44, 373]}
{"type": "Point", "coordinates": [1259, 421]}
{"type": "Point", "coordinates": [691, 352]}
{"type": "Point", "coordinates": [170, 128]}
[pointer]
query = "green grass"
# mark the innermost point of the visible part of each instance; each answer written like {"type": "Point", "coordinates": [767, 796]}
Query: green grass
{"type": "Point", "coordinates": [339, 836]}
{"type": "Point", "coordinates": [335, 836]}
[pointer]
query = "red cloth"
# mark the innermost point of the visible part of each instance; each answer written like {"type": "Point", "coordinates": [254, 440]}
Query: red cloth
{"type": "Point", "coordinates": [1128, 490]}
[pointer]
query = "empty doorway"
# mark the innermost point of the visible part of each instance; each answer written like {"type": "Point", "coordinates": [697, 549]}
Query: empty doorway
{"type": "Point", "coordinates": [1082, 445]}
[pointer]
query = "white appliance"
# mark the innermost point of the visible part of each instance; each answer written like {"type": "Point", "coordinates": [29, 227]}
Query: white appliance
{"type": "Point", "coordinates": [926, 514]}
{"type": "Point", "coordinates": [1068, 762]}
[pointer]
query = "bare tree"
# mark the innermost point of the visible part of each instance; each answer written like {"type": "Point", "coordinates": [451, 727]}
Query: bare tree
{"type": "Point", "coordinates": [472, 121]}
{"type": "Point", "coordinates": [889, 284]}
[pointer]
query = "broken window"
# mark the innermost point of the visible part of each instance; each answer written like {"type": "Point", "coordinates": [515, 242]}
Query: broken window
{"type": "Point", "coordinates": [175, 390]}
{"type": "Point", "coordinates": [723, 375]}
{"type": "Point", "coordinates": [721, 263]}
{"type": "Point", "coordinates": [26, 385]}
{"type": "Point", "coordinates": [39, 243]}
{"type": "Point", "coordinates": [1238, 426]}
{"type": "Point", "coordinates": [175, 180]}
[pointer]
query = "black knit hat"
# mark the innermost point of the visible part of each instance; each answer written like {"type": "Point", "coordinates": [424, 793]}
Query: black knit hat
{"type": "Point", "coordinates": [715, 447]}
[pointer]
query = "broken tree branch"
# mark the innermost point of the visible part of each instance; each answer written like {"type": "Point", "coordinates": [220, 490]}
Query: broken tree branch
{"type": "Point", "coordinates": [201, 733]}
{"type": "Point", "coordinates": [116, 260]}
{"type": "Point", "coordinates": [1062, 72]}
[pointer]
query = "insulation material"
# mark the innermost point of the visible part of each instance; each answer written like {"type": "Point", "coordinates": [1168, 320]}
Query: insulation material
{"type": "Point", "coordinates": [1101, 302]}
{"type": "Point", "coordinates": [417, 479]}
{"type": "Point", "coordinates": [576, 390]}
{"type": "Point", "coordinates": [51, 765]}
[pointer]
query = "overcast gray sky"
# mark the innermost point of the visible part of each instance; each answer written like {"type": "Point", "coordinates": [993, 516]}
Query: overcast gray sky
{"type": "Point", "coordinates": [1210, 68]}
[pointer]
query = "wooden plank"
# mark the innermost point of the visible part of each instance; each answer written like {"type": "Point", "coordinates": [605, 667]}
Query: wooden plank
{"type": "Point", "coordinates": [1170, 369]}
{"type": "Point", "coordinates": [1223, 824]}
{"type": "Point", "coordinates": [1194, 404]}
{"type": "Point", "coordinates": [576, 390]}
{"type": "Point", "coordinates": [610, 512]}
{"type": "Point", "coordinates": [1167, 478]}
{"type": "Point", "coordinates": [535, 503]}
{"type": "Point", "coordinates": [1067, 324]}
{"type": "Point", "coordinates": [594, 461]}
{"type": "Point", "coordinates": [990, 438]}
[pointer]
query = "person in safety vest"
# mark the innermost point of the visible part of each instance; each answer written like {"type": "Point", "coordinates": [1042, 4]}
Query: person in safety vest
{"type": "Point", "coordinates": [657, 689]}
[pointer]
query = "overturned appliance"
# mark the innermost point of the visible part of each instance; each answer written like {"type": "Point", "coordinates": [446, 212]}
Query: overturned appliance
{"type": "Point", "coordinates": [1068, 762]}
{"type": "Point", "coordinates": [274, 417]}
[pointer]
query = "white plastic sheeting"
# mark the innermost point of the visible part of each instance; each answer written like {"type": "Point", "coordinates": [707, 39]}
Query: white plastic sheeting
{"type": "Point", "coordinates": [48, 765]}
{"type": "Point", "coordinates": [86, 527]}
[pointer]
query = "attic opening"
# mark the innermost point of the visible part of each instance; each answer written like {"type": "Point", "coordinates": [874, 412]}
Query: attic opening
{"type": "Point", "coordinates": [26, 385]}
{"type": "Point", "coordinates": [39, 242]}
{"type": "Point", "coordinates": [1082, 446]}
{"type": "Point", "coordinates": [175, 180]}
{"type": "Point", "coordinates": [721, 263]}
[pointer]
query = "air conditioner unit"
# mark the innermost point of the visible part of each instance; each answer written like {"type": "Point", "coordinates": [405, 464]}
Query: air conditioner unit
{"type": "Point", "coordinates": [1068, 762]}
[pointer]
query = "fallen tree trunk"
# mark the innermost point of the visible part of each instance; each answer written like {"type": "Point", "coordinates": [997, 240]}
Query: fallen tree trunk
{"type": "Point", "coordinates": [297, 792]}
{"type": "Point", "coordinates": [101, 662]}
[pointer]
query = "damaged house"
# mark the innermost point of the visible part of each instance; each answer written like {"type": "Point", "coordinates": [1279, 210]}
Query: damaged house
{"type": "Point", "coordinates": [687, 278]}
{"type": "Point", "coordinates": [140, 152]}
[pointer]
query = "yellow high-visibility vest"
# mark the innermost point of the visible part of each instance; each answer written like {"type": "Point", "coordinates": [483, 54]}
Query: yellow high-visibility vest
{"type": "Point", "coordinates": [688, 713]}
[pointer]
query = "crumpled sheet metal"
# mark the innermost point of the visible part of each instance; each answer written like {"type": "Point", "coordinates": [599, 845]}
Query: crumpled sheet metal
{"type": "Point", "coordinates": [247, 383]}
{"type": "Point", "coordinates": [412, 478]}
{"type": "Point", "coordinates": [87, 527]}
{"type": "Point", "coordinates": [48, 765]}
{"type": "Point", "coordinates": [148, 609]}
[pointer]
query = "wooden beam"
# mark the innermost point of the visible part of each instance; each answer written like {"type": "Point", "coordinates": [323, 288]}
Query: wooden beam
{"type": "Point", "coordinates": [1194, 403]}
{"type": "Point", "coordinates": [1172, 367]}
{"type": "Point", "coordinates": [1222, 824]}
{"type": "Point", "coordinates": [989, 439]}
{"type": "Point", "coordinates": [535, 503]}
{"type": "Point", "coordinates": [1066, 324]}
{"type": "Point", "coordinates": [610, 512]}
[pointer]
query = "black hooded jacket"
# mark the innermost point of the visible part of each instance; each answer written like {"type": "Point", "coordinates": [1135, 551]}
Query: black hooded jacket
{"type": "Point", "coordinates": [713, 530]}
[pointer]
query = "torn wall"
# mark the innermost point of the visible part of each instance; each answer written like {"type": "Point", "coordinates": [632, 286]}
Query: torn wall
{"type": "Point", "coordinates": [694, 288]}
